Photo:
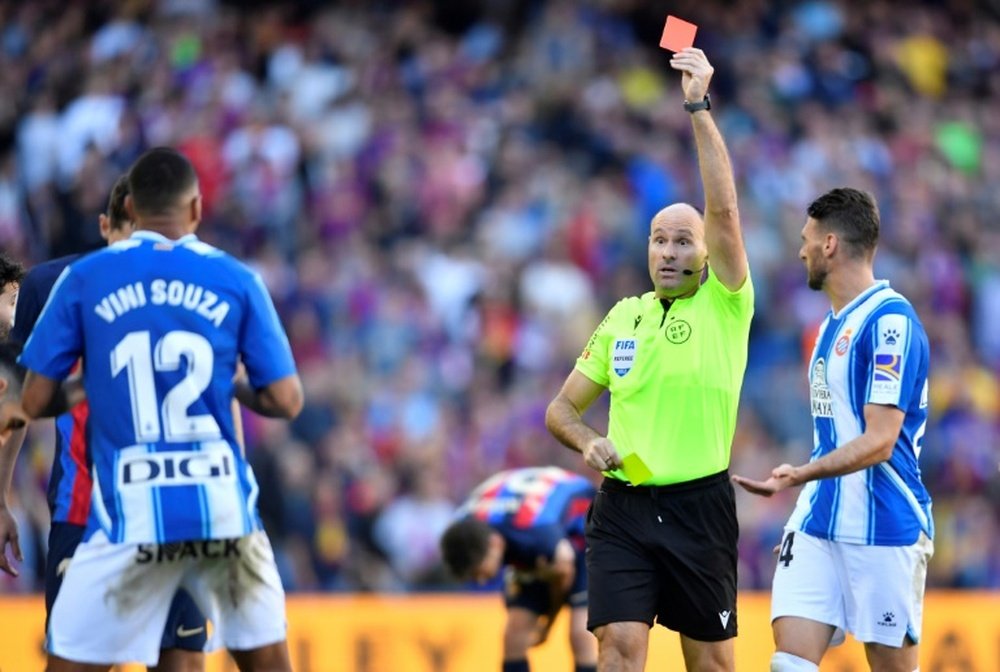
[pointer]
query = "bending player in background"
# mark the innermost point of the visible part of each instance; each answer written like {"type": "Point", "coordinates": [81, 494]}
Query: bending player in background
{"type": "Point", "coordinates": [855, 550]}
{"type": "Point", "coordinates": [11, 376]}
{"type": "Point", "coordinates": [161, 321]}
{"type": "Point", "coordinates": [69, 490]}
{"type": "Point", "coordinates": [11, 273]}
{"type": "Point", "coordinates": [531, 522]}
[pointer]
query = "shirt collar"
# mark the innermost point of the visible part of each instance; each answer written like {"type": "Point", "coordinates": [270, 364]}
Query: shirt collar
{"type": "Point", "coordinates": [145, 234]}
{"type": "Point", "coordinates": [857, 300]}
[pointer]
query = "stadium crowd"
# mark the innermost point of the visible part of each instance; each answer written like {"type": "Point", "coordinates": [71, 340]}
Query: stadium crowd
{"type": "Point", "coordinates": [445, 197]}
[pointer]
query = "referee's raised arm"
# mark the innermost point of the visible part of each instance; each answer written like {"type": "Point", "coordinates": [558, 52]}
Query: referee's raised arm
{"type": "Point", "coordinates": [723, 236]}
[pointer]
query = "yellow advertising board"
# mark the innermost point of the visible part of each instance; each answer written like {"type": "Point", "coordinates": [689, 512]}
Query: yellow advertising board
{"type": "Point", "coordinates": [451, 633]}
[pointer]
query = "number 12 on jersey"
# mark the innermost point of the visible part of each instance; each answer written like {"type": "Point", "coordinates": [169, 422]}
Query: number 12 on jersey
{"type": "Point", "coordinates": [136, 355]}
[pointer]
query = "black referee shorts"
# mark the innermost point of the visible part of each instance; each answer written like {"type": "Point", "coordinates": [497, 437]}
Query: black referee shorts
{"type": "Point", "coordinates": [666, 553]}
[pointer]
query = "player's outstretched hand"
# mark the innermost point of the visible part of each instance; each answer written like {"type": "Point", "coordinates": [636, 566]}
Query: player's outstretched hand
{"type": "Point", "coordinates": [782, 477]}
{"type": "Point", "coordinates": [600, 454]}
{"type": "Point", "coordinates": [697, 72]}
{"type": "Point", "coordinates": [762, 488]}
{"type": "Point", "coordinates": [8, 535]}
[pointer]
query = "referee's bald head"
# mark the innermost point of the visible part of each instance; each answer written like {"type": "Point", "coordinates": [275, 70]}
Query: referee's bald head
{"type": "Point", "coordinates": [679, 213]}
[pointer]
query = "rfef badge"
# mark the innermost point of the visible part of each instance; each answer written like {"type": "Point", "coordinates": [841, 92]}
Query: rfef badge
{"type": "Point", "coordinates": [623, 355]}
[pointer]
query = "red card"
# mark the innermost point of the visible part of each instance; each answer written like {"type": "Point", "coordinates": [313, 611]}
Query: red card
{"type": "Point", "coordinates": [678, 34]}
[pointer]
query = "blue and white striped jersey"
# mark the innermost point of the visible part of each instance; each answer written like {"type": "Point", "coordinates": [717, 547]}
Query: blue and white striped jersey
{"type": "Point", "coordinates": [874, 352]}
{"type": "Point", "coordinates": [160, 325]}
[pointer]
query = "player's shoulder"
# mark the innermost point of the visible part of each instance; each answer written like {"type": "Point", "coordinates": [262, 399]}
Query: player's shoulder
{"type": "Point", "coordinates": [579, 483]}
{"type": "Point", "coordinates": [100, 258]}
{"type": "Point", "coordinates": [46, 273]}
{"type": "Point", "coordinates": [888, 301]}
{"type": "Point", "coordinates": [194, 252]}
{"type": "Point", "coordinates": [891, 315]}
{"type": "Point", "coordinates": [560, 474]}
{"type": "Point", "coordinates": [220, 260]}
{"type": "Point", "coordinates": [208, 251]}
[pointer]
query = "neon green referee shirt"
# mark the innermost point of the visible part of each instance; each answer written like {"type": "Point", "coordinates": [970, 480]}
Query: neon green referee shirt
{"type": "Point", "coordinates": [674, 378]}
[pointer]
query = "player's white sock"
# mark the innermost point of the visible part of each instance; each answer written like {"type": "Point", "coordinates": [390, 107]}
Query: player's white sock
{"type": "Point", "coordinates": [786, 662]}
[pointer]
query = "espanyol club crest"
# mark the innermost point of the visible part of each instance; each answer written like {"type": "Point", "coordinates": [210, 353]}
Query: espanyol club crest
{"type": "Point", "coordinates": [623, 355]}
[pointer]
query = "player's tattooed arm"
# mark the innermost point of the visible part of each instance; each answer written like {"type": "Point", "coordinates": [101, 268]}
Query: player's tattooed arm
{"type": "Point", "coordinates": [280, 399]}
{"type": "Point", "coordinates": [44, 397]}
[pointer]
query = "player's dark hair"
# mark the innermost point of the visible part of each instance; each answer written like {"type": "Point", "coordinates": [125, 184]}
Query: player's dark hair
{"type": "Point", "coordinates": [850, 213]}
{"type": "Point", "coordinates": [464, 545]}
{"type": "Point", "coordinates": [117, 215]}
{"type": "Point", "coordinates": [10, 370]}
{"type": "Point", "coordinates": [10, 271]}
{"type": "Point", "coordinates": [159, 179]}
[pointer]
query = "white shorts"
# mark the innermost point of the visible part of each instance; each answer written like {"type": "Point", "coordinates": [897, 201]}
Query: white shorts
{"type": "Point", "coordinates": [874, 592]}
{"type": "Point", "coordinates": [115, 598]}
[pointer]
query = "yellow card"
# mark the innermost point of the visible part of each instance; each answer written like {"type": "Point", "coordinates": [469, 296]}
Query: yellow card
{"type": "Point", "coordinates": [635, 469]}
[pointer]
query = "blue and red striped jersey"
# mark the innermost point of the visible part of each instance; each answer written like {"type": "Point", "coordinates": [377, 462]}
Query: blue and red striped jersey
{"type": "Point", "coordinates": [532, 509]}
{"type": "Point", "coordinates": [70, 482]}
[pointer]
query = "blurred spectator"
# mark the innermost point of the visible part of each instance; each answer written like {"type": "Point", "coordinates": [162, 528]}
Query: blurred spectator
{"type": "Point", "coordinates": [443, 202]}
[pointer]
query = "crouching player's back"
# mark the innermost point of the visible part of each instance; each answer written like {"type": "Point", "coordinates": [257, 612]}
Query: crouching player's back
{"type": "Point", "coordinates": [531, 522]}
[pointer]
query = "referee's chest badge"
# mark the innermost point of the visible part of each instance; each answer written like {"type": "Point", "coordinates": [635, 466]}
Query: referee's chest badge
{"type": "Point", "coordinates": [623, 356]}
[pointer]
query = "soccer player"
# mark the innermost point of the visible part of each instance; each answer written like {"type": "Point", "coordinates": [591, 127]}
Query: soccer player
{"type": "Point", "coordinates": [854, 553]}
{"type": "Point", "coordinates": [11, 419]}
{"type": "Point", "coordinates": [160, 320]}
{"type": "Point", "coordinates": [664, 550]}
{"type": "Point", "coordinates": [11, 273]}
{"type": "Point", "coordinates": [531, 522]}
{"type": "Point", "coordinates": [70, 483]}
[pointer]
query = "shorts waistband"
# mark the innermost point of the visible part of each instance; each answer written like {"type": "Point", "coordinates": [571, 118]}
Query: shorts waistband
{"type": "Point", "coordinates": [615, 485]}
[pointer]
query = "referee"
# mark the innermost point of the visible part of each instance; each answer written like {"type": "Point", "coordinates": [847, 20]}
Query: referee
{"type": "Point", "coordinates": [664, 549]}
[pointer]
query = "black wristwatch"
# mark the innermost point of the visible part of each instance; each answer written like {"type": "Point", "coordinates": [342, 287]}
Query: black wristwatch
{"type": "Point", "coordinates": [705, 104]}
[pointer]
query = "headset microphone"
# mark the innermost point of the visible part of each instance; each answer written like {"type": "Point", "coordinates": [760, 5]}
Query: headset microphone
{"type": "Point", "coordinates": [688, 271]}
